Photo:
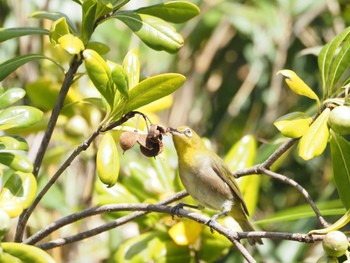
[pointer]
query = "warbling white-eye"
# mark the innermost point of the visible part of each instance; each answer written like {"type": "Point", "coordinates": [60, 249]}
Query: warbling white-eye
{"type": "Point", "coordinates": [208, 179]}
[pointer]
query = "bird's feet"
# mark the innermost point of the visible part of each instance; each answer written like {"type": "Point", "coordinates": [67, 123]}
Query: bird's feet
{"type": "Point", "coordinates": [175, 209]}
{"type": "Point", "coordinates": [213, 220]}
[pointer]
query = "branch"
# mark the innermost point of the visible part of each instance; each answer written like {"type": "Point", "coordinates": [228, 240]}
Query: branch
{"type": "Point", "coordinates": [82, 147]}
{"type": "Point", "coordinates": [160, 207]}
{"type": "Point", "coordinates": [94, 211]}
{"type": "Point", "coordinates": [301, 189]}
{"type": "Point", "coordinates": [67, 82]}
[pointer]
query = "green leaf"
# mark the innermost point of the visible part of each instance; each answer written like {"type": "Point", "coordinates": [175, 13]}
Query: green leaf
{"type": "Point", "coordinates": [340, 64]}
{"type": "Point", "coordinates": [19, 117]}
{"type": "Point", "coordinates": [325, 59]}
{"type": "Point", "coordinates": [152, 89]}
{"type": "Point", "coordinates": [72, 44]}
{"type": "Point", "coordinates": [174, 12]}
{"type": "Point", "coordinates": [340, 152]}
{"type": "Point", "coordinates": [315, 139]}
{"type": "Point", "coordinates": [9, 33]}
{"type": "Point", "coordinates": [9, 66]}
{"type": "Point", "coordinates": [153, 31]}
{"type": "Point", "coordinates": [99, 47]}
{"type": "Point", "coordinates": [88, 23]}
{"type": "Point", "coordinates": [120, 79]}
{"type": "Point", "coordinates": [25, 253]}
{"type": "Point", "coordinates": [13, 142]}
{"type": "Point", "coordinates": [294, 124]}
{"type": "Point", "coordinates": [53, 16]}
{"type": "Point", "coordinates": [131, 64]}
{"type": "Point", "coordinates": [344, 220]}
{"type": "Point", "coordinates": [242, 155]}
{"type": "Point", "coordinates": [15, 161]}
{"type": "Point", "coordinates": [58, 29]}
{"type": "Point", "coordinates": [11, 96]}
{"type": "Point", "coordinates": [100, 75]}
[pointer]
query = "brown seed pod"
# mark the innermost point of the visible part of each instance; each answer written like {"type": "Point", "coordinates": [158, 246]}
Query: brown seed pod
{"type": "Point", "coordinates": [127, 140]}
{"type": "Point", "coordinates": [156, 149]}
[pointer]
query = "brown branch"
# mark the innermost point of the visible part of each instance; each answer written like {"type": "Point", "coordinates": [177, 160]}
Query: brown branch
{"type": "Point", "coordinates": [160, 207]}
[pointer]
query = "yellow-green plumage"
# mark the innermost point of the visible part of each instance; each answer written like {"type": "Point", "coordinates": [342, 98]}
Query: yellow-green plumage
{"type": "Point", "coordinates": [207, 178]}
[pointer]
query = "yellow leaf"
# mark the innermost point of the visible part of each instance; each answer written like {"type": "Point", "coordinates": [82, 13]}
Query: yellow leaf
{"type": "Point", "coordinates": [297, 85]}
{"type": "Point", "coordinates": [293, 125]}
{"type": "Point", "coordinates": [315, 139]}
{"type": "Point", "coordinates": [185, 232]}
{"type": "Point", "coordinates": [72, 44]}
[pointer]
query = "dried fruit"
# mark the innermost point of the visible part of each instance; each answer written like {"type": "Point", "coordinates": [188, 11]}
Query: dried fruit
{"type": "Point", "coordinates": [127, 140]}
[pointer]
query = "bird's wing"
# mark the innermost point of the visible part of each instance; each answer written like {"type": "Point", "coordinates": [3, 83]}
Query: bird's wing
{"type": "Point", "coordinates": [222, 170]}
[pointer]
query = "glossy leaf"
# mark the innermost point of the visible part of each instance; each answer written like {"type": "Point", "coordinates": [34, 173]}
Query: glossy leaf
{"type": "Point", "coordinates": [20, 187]}
{"type": "Point", "coordinates": [24, 253]}
{"type": "Point", "coordinates": [242, 155]}
{"type": "Point", "coordinates": [13, 142]}
{"type": "Point", "coordinates": [340, 152]}
{"type": "Point", "coordinates": [174, 12]}
{"type": "Point", "coordinates": [11, 96]}
{"type": "Point", "coordinates": [213, 245]}
{"type": "Point", "coordinates": [344, 220]}
{"type": "Point", "coordinates": [294, 124]}
{"type": "Point", "coordinates": [314, 140]}
{"type": "Point", "coordinates": [12, 207]}
{"type": "Point", "coordinates": [16, 161]}
{"type": "Point", "coordinates": [152, 89]}
{"type": "Point", "coordinates": [72, 44]}
{"type": "Point", "coordinates": [53, 16]}
{"type": "Point", "coordinates": [58, 29]}
{"type": "Point", "coordinates": [115, 194]}
{"type": "Point", "coordinates": [89, 11]}
{"type": "Point", "coordinates": [131, 64]}
{"type": "Point", "coordinates": [185, 233]}
{"type": "Point", "coordinates": [153, 31]}
{"type": "Point", "coordinates": [5, 223]}
{"type": "Point", "coordinates": [9, 33]}
{"type": "Point", "coordinates": [19, 117]}
{"type": "Point", "coordinates": [99, 47]}
{"type": "Point", "coordinates": [120, 79]}
{"type": "Point", "coordinates": [9, 66]}
{"type": "Point", "coordinates": [297, 85]}
{"type": "Point", "coordinates": [326, 56]}
{"type": "Point", "coordinates": [107, 161]}
{"type": "Point", "coordinates": [340, 65]}
{"type": "Point", "coordinates": [100, 75]}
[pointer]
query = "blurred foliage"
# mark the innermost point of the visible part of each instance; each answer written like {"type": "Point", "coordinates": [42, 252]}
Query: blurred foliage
{"type": "Point", "coordinates": [231, 54]}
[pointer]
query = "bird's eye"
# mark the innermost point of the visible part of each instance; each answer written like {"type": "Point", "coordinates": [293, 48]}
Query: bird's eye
{"type": "Point", "coordinates": [188, 133]}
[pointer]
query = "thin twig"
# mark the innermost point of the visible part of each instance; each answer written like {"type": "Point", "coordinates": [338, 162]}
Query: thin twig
{"type": "Point", "coordinates": [67, 82]}
{"type": "Point", "coordinates": [143, 209]}
{"type": "Point", "coordinates": [82, 147]}
{"type": "Point", "coordinates": [301, 189]}
{"type": "Point", "coordinates": [160, 207]}
{"type": "Point", "coordinates": [93, 211]}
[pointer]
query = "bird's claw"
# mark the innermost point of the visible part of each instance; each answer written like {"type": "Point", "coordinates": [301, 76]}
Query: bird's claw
{"type": "Point", "coordinates": [175, 210]}
{"type": "Point", "coordinates": [213, 220]}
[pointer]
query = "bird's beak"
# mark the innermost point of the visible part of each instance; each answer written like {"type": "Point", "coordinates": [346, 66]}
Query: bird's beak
{"type": "Point", "coordinates": [174, 131]}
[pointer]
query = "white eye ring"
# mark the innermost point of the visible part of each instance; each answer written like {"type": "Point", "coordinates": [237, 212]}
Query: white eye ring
{"type": "Point", "coordinates": [188, 132]}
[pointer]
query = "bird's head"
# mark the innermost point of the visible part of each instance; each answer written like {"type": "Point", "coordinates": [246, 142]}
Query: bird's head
{"type": "Point", "coordinates": [185, 138]}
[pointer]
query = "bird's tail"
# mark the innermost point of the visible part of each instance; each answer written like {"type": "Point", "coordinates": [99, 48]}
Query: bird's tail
{"type": "Point", "coordinates": [242, 220]}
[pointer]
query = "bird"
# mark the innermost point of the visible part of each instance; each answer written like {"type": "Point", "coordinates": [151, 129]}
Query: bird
{"type": "Point", "coordinates": [208, 180]}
